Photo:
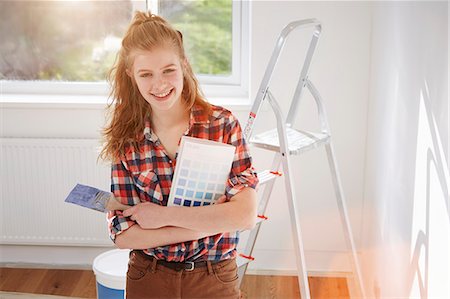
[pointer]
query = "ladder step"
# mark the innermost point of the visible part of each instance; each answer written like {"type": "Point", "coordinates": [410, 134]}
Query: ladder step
{"type": "Point", "coordinates": [266, 176]}
{"type": "Point", "coordinates": [298, 141]}
{"type": "Point", "coordinates": [242, 259]}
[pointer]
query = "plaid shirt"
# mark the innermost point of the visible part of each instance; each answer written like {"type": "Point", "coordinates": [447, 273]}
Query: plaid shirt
{"type": "Point", "coordinates": [146, 176]}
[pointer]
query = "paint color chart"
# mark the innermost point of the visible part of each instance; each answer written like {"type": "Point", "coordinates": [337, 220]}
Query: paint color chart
{"type": "Point", "coordinates": [202, 169]}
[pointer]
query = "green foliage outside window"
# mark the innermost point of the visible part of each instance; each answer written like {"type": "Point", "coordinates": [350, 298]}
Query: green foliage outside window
{"type": "Point", "coordinates": [78, 40]}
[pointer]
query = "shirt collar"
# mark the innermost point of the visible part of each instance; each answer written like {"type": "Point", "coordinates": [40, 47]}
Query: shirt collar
{"type": "Point", "coordinates": [196, 117]}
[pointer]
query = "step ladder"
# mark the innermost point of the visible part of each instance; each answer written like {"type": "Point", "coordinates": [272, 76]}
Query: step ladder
{"type": "Point", "coordinates": [285, 141]}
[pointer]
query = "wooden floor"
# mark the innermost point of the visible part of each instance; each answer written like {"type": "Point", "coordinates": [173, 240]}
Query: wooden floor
{"type": "Point", "coordinates": [81, 283]}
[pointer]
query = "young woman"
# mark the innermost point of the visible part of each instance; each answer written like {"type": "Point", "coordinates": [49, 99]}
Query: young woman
{"type": "Point", "coordinates": [178, 252]}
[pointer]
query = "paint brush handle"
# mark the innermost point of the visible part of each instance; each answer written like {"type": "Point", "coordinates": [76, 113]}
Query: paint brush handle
{"type": "Point", "coordinates": [114, 204]}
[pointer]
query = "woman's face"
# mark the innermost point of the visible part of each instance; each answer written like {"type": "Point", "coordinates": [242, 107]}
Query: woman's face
{"type": "Point", "coordinates": [159, 77]}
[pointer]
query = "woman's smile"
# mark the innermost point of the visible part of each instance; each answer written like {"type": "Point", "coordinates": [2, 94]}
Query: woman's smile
{"type": "Point", "coordinates": [163, 95]}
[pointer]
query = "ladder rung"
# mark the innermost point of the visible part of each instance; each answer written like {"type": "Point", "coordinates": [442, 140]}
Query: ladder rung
{"type": "Point", "coordinates": [259, 219]}
{"type": "Point", "coordinates": [267, 175]}
{"type": "Point", "coordinates": [298, 141]}
{"type": "Point", "coordinates": [242, 259]}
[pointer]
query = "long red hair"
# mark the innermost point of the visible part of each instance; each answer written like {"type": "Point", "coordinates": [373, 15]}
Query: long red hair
{"type": "Point", "coordinates": [129, 110]}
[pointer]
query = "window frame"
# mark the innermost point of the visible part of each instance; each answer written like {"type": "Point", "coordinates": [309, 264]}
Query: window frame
{"type": "Point", "coordinates": [234, 86]}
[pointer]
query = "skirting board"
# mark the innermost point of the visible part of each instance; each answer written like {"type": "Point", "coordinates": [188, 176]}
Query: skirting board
{"type": "Point", "coordinates": [56, 257]}
{"type": "Point", "coordinates": [16, 295]}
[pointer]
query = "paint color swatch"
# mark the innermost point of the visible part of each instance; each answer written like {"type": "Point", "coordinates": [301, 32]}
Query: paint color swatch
{"type": "Point", "coordinates": [202, 169]}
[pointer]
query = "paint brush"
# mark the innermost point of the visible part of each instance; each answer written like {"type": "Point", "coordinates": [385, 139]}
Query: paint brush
{"type": "Point", "coordinates": [95, 199]}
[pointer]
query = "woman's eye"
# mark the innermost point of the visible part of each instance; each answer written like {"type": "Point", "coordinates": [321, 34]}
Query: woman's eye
{"type": "Point", "coordinates": [144, 75]}
{"type": "Point", "coordinates": [169, 71]}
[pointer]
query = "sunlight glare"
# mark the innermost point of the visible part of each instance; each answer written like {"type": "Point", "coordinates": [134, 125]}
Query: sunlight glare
{"type": "Point", "coordinates": [430, 215]}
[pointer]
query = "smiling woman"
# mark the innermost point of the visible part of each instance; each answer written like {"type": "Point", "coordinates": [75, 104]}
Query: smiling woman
{"type": "Point", "coordinates": [157, 101]}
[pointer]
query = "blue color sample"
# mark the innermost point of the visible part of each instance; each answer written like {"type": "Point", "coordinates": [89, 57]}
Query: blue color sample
{"type": "Point", "coordinates": [192, 184]}
{"type": "Point", "coordinates": [108, 293]}
{"type": "Point", "coordinates": [182, 182]}
{"type": "Point", "coordinates": [199, 195]}
{"type": "Point", "coordinates": [206, 203]}
{"type": "Point", "coordinates": [187, 203]}
{"type": "Point", "coordinates": [179, 192]}
{"type": "Point", "coordinates": [201, 185]}
{"type": "Point", "coordinates": [197, 203]}
{"type": "Point", "coordinates": [189, 193]}
{"type": "Point", "coordinates": [208, 195]}
{"type": "Point", "coordinates": [177, 201]}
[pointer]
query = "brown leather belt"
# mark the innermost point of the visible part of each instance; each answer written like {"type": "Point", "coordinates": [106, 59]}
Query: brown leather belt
{"type": "Point", "coordinates": [178, 266]}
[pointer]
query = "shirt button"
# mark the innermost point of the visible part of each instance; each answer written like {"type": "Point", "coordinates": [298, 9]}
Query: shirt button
{"type": "Point", "coordinates": [170, 161]}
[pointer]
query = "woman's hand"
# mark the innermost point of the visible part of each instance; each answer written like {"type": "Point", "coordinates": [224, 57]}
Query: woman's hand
{"type": "Point", "coordinates": [148, 215]}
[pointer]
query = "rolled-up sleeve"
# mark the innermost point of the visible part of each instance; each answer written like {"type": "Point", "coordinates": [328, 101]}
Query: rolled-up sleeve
{"type": "Point", "coordinates": [123, 189]}
{"type": "Point", "coordinates": [242, 172]}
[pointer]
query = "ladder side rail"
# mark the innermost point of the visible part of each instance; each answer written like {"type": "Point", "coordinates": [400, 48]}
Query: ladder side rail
{"type": "Point", "coordinates": [248, 251]}
{"type": "Point", "coordinates": [264, 86]}
{"type": "Point", "coordinates": [324, 126]}
{"type": "Point", "coordinates": [295, 223]}
{"type": "Point", "coordinates": [348, 236]}
{"type": "Point", "coordinates": [293, 110]}
{"type": "Point", "coordinates": [262, 91]}
{"type": "Point", "coordinates": [261, 211]}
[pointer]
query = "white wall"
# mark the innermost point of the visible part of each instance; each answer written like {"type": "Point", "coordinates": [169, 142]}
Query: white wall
{"type": "Point", "coordinates": [407, 184]}
{"type": "Point", "coordinates": [340, 71]}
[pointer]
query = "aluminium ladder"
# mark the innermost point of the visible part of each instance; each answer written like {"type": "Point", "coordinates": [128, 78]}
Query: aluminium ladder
{"type": "Point", "coordinates": [286, 141]}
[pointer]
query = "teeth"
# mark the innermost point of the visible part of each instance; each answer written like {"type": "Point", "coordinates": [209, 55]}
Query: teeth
{"type": "Point", "coordinates": [161, 95]}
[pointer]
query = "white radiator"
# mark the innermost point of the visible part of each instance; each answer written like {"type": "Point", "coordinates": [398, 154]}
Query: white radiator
{"type": "Point", "coordinates": [36, 176]}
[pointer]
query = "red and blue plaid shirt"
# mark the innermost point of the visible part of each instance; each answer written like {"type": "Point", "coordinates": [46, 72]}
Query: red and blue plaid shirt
{"type": "Point", "coordinates": [146, 176]}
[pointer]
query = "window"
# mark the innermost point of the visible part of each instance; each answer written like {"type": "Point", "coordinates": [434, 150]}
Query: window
{"type": "Point", "coordinates": [67, 47]}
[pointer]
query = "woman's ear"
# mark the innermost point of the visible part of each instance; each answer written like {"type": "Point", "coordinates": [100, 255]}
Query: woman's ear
{"type": "Point", "coordinates": [129, 73]}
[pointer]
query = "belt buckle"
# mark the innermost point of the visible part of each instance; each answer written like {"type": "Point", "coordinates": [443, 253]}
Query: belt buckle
{"type": "Point", "coordinates": [191, 264]}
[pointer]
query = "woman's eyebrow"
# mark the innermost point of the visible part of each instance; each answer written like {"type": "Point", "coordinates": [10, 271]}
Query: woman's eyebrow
{"type": "Point", "coordinates": [147, 70]}
{"type": "Point", "coordinates": [169, 65]}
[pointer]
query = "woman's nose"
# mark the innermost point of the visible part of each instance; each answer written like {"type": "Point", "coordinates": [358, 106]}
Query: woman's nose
{"type": "Point", "coordinates": [158, 82]}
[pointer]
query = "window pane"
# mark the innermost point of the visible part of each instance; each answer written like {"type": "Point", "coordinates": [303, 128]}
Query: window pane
{"type": "Point", "coordinates": [206, 26]}
{"type": "Point", "coordinates": [60, 40]}
{"type": "Point", "coordinates": [78, 40]}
